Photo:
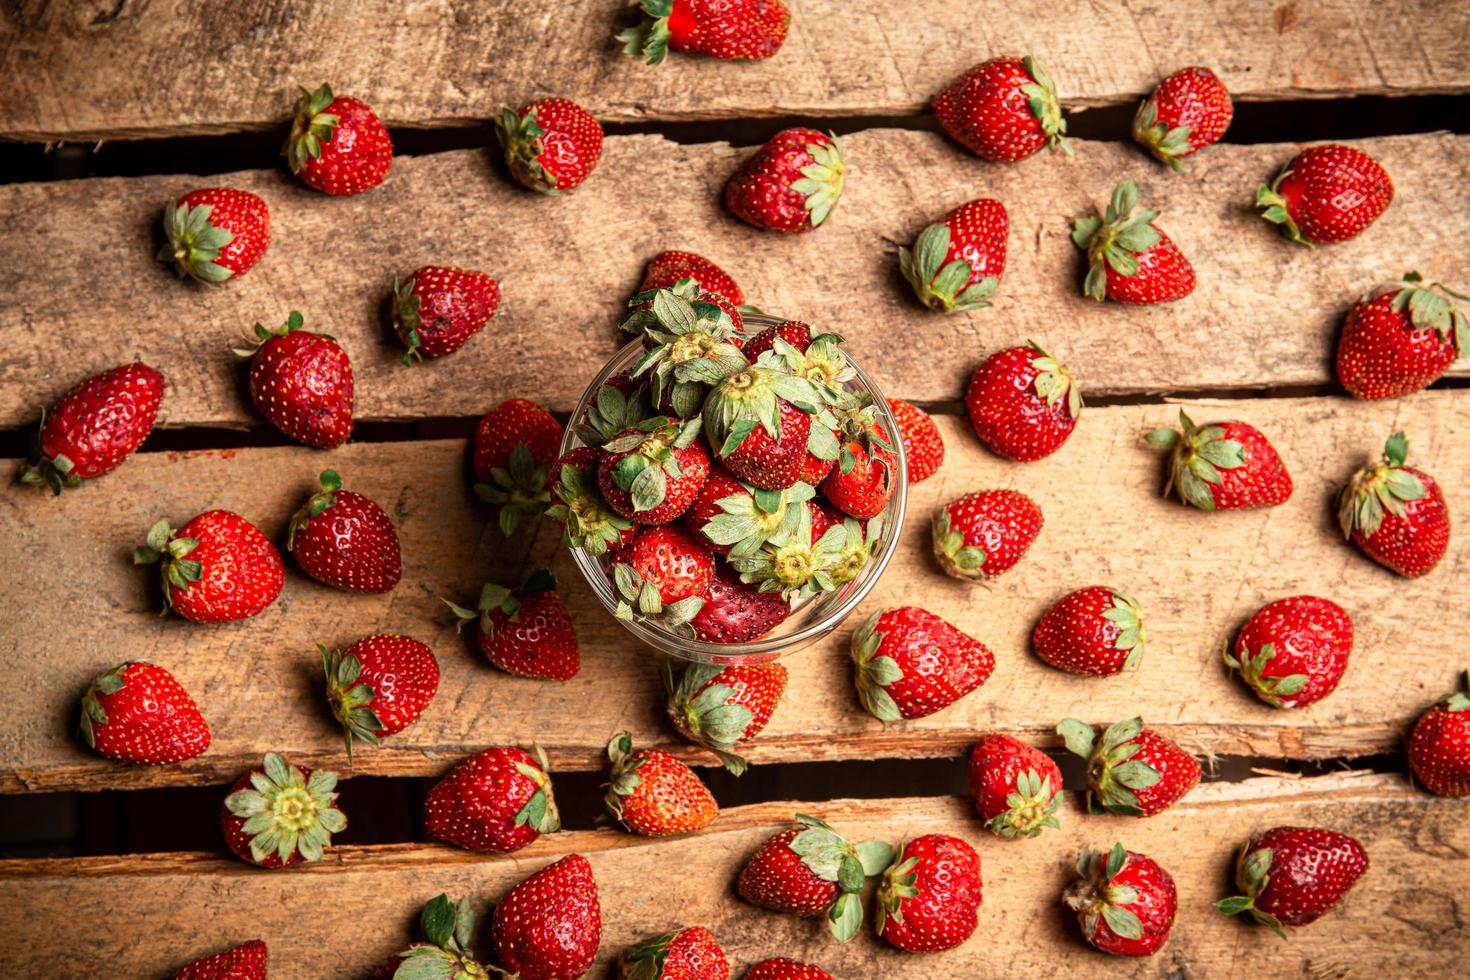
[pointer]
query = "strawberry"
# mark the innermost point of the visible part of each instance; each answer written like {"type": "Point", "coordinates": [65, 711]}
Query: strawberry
{"type": "Point", "coordinates": [731, 30]}
{"type": "Point", "coordinates": [854, 548]}
{"type": "Point", "coordinates": [439, 308]}
{"type": "Point", "coordinates": [692, 339]}
{"type": "Point", "coordinates": [344, 540]}
{"type": "Point", "coordinates": [550, 145]}
{"type": "Point", "coordinates": [337, 145]}
{"type": "Point", "coordinates": [214, 233]}
{"type": "Point", "coordinates": [497, 800]}
{"type": "Point", "coordinates": [956, 264]}
{"type": "Point", "coordinates": [796, 563]}
{"type": "Point", "coordinates": [379, 686]}
{"type": "Point", "coordinates": [1004, 110]}
{"type": "Point", "coordinates": [663, 573]}
{"type": "Point", "coordinates": [811, 870]}
{"type": "Point", "coordinates": [734, 612]}
{"type": "Point", "coordinates": [1016, 788]}
{"type": "Point", "coordinates": [216, 568]}
{"type": "Point", "coordinates": [791, 183]}
{"type": "Point", "coordinates": [279, 814]}
{"type": "Point", "coordinates": [910, 663]}
{"type": "Point", "coordinates": [720, 707]}
{"type": "Point", "coordinates": [667, 268]}
{"type": "Point", "coordinates": [866, 474]}
{"type": "Point", "coordinates": [137, 712]}
{"type": "Point", "coordinates": [1125, 902]}
{"type": "Point", "coordinates": [301, 382]}
{"type": "Point", "coordinates": [449, 928]}
{"type": "Point", "coordinates": [1326, 194]}
{"type": "Point", "coordinates": [1292, 652]}
{"type": "Point", "coordinates": [245, 962]}
{"type": "Point", "coordinates": [587, 522]}
{"type": "Point", "coordinates": [1222, 465]}
{"type": "Point", "coordinates": [652, 474]}
{"type": "Point", "coordinates": [689, 954]}
{"type": "Point", "coordinates": [1400, 338]}
{"type": "Point", "coordinates": [1129, 258]}
{"type": "Point", "coordinates": [1396, 514]}
{"type": "Point", "coordinates": [1292, 876]}
{"type": "Point", "coordinates": [1096, 630]}
{"type": "Point", "coordinates": [514, 444]}
{"type": "Point", "coordinates": [1023, 403]}
{"type": "Point", "coordinates": [758, 422]}
{"type": "Point", "coordinates": [654, 794]}
{"type": "Point", "coordinates": [923, 447]}
{"type": "Point", "coordinates": [781, 968]}
{"type": "Point", "coordinates": [793, 332]}
{"type": "Point", "coordinates": [824, 516]}
{"type": "Point", "coordinates": [734, 518]}
{"type": "Point", "coordinates": [984, 533]}
{"type": "Point", "coordinates": [96, 425]}
{"type": "Point", "coordinates": [1439, 746]}
{"type": "Point", "coordinates": [1187, 112]}
{"type": "Point", "coordinates": [1131, 770]}
{"type": "Point", "coordinates": [525, 630]}
{"type": "Point", "coordinates": [549, 926]}
{"type": "Point", "coordinates": [929, 898]}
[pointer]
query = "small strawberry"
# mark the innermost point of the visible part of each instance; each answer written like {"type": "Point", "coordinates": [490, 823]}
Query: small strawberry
{"type": "Point", "coordinates": [245, 962]}
{"type": "Point", "coordinates": [549, 926]}
{"type": "Point", "coordinates": [1131, 770]}
{"type": "Point", "coordinates": [654, 794]}
{"type": "Point", "coordinates": [667, 268]}
{"type": "Point", "coordinates": [525, 630]}
{"type": "Point", "coordinates": [138, 713]}
{"type": "Point", "coordinates": [791, 183]}
{"type": "Point", "coordinates": [439, 308]}
{"type": "Point", "coordinates": [344, 540]}
{"type": "Point", "coordinates": [652, 474]}
{"type": "Point", "coordinates": [1023, 403]}
{"type": "Point", "coordinates": [792, 332]}
{"type": "Point", "coordinates": [929, 898]}
{"type": "Point", "coordinates": [449, 928]}
{"type": "Point", "coordinates": [956, 265]}
{"type": "Point", "coordinates": [1187, 112]}
{"type": "Point", "coordinates": [1125, 902]}
{"type": "Point", "coordinates": [1096, 630]}
{"type": "Point", "coordinates": [379, 686]}
{"type": "Point", "coordinates": [1439, 746]}
{"type": "Point", "coordinates": [1396, 514]}
{"type": "Point", "coordinates": [1016, 787]}
{"type": "Point", "coordinates": [692, 339]}
{"type": "Point", "coordinates": [733, 518]}
{"type": "Point", "coordinates": [550, 145]}
{"type": "Point", "coordinates": [795, 563]}
{"type": "Point", "coordinates": [1292, 876]}
{"type": "Point", "coordinates": [587, 521]}
{"type": "Point", "coordinates": [514, 444]}
{"type": "Point", "coordinates": [1222, 465]}
{"type": "Point", "coordinates": [216, 568]}
{"type": "Point", "coordinates": [1129, 258]}
{"type": "Point", "coordinates": [95, 426]}
{"type": "Point", "coordinates": [689, 954]}
{"type": "Point", "coordinates": [758, 422]}
{"type": "Point", "coordinates": [781, 968]}
{"type": "Point", "coordinates": [1292, 652]}
{"type": "Point", "coordinates": [214, 233]}
{"type": "Point", "coordinates": [1326, 194]}
{"type": "Point", "coordinates": [866, 474]}
{"type": "Point", "coordinates": [337, 145]}
{"type": "Point", "coordinates": [811, 870]}
{"type": "Point", "coordinates": [498, 800]}
{"type": "Point", "coordinates": [663, 573]}
{"type": "Point", "coordinates": [984, 533]}
{"type": "Point", "coordinates": [1400, 338]}
{"type": "Point", "coordinates": [1004, 110]}
{"type": "Point", "coordinates": [923, 446]}
{"type": "Point", "coordinates": [910, 663]}
{"type": "Point", "coordinates": [280, 815]}
{"type": "Point", "coordinates": [720, 707]}
{"type": "Point", "coordinates": [731, 30]}
{"type": "Point", "coordinates": [734, 612]}
{"type": "Point", "coordinates": [301, 382]}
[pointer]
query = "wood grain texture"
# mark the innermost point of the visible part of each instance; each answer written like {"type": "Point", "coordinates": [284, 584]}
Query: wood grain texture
{"type": "Point", "coordinates": [82, 607]}
{"type": "Point", "coordinates": [1266, 311]}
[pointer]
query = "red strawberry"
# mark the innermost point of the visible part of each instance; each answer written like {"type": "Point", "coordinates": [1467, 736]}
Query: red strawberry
{"type": "Point", "coordinates": [729, 516]}
{"type": "Point", "coordinates": [910, 663]}
{"type": "Point", "coordinates": [96, 425]}
{"type": "Point", "coordinates": [780, 968]}
{"type": "Point", "coordinates": [1004, 109]}
{"type": "Point", "coordinates": [245, 962]}
{"type": "Point", "coordinates": [1293, 651]}
{"type": "Point", "coordinates": [865, 477]}
{"type": "Point", "coordinates": [514, 423]}
{"type": "Point", "coordinates": [449, 928]}
{"type": "Point", "coordinates": [824, 516]}
{"type": "Point", "coordinates": [215, 233]}
{"type": "Point", "coordinates": [811, 870]}
{"type": "Point", "coordinates": [1222, 465]}
{"type": "Point", "coordinates": [525, 630]}
{"type": "Point", "coordinates": [439, 308]}
{"type": "Point", "coordinates": [379, 686]}
{"type": "Point", "coordinates": [791, 183]}
{"type": "Point", "coordinates": [1326, 194]}
{"type": "Point", "coordinates": [302, 383]}
{"type": "Point", "coordinates": [1439, 746]}
{"type": "Point", "coordinates": [497, 800]}
{"type": "Point", "coordinates": [1096, 630]}
{"type": "Point", "coordinates": [1023, 403]}
{"type": "Point", "coordinates": [654, 794]}
{"type": "Point", "coordinates": [216, 568]}
{"type": "Point", "coordinates": [929, 898]}
{"type": "Point", "coordinates": [720, 707]}
{"type": "Point", "coordinates": [1131, 770]}
{"type": "Point", "coordinates": [689, 954]}
{"type": "Point", "coordinates": [344, 540]}
{"type": "Point", "coordinates": [793, 332]}
{"type": "Point", "coordinates": [667, 268]}
{"type": "Point", "coordinates": [587, 522]}
{"type": "Point", "coordinates": [984, 533]}
{"type": "Point", "coordinates": [1016, 788]}
{"type": "Point", "coordinates": [651, 475]}
{"type": "Point", "coordinates": [691, 338]}
{"type": "Point", "coordinates": [1395, 513]}
{"type": "Point", "coordinates": [923, 447]}
{"type": "Point", "coordinates": [1188, 111]}
{"type": "Point", "coordinates": [663, 573]}
{"type": "Point", "coordinates": [732, 30]}
{"type": "Point", "coordinates": [1125, 902]}
{"type": "Point", "coordinates": [956, 265]}
{"type": "Point", "coordinates": [280, 814]}
{"type": "Point", "coordinates": [1292, 876]}
{"type": "Point", "coordinates": [758, 421]}
{"type": "Point", "coordinates": [1129, 258]}
{"type": "Point", "coordinates": [734, 612]}
{"type": "Point", "coordinates": [550, 145]}
{"type": "Point", "coordinates": [1400, 338]}
{"type": "Point", "coordinates": [549, 926]}
{"type": "Point", "coordinates": [137, 712]}
{"type": "Point", "coordinates": [337, 145]}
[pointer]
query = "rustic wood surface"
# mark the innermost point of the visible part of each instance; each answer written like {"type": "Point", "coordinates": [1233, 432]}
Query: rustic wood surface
{"type": "Point", "coordinates": [1265, 313]}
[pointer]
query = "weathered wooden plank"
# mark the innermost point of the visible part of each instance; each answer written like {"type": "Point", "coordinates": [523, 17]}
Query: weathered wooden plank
{"type": "Point", "coordinates": [80, 607]}
{"type": "Point", "coordinates": [85, 72]}
{"type": "Point", "coordinates": [1404, 918]}
{"type": "Point", "coordinates": [1265, 312]}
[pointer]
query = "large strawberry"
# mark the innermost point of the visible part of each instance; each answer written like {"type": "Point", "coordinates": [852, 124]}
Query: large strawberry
{"type": "Point", "coordinates": [667, 268]}
{"type": "Point", "coordinates": [737, 612]}
{"type": "Point", "coordinates": [549, 926]}
{"type": "Point", "coordinates": [758, 421]}
{"type": "Point", "coordinates": [1125, 902]}
{"type": "Point", "coordinates": [245, 962]}
{"type": "Point", "coordinates": [1129, 258]}
{"type": "Point", "coordinates": [337, 144]}
{"type": "Point", "coordinates": [653, 473]}
{"type": "Point", "coordinates": [587, 521]}
{"type": "Point", "coordinates": [214, 233]}
{"type": "Point", "coordinates": [1096, 631]}
{"type": "Point", "coordinates": [1222, 465]}
{"type": "Point", "coordinates": [279, 814]}
{"type": "Point", "coordinates": [654, 794]}
{"type": "Point", "coordinates": [984, 533]}
{"type": "Point", "coordinates": [515, 443]}
{"type": "Point", "coordinates": [302, 382]}
{"type": "Point", "coordinates": [811, 870]}
{"type": "Point", "coordinates": [689, 954]}
{"type": "Point", "coordinates": [736, 519]}
{"type": "Point", "coordinates": [216, 568]}
{"type": "Point", "coordinates": [692, 339]}
{"type": "Point", "coordinates": [1439, 745]}
{"type": "Point", "coordinates": [929, 898]}
{"type": "Point", "coordinates": [923, 446]}
{"type": "Point", "coordinates": [1004, 109]}
{"type": "Point", "coordinates": [345, 540]}
{"type": "Point", "coordinates": [1293, 651]}
{"type": "Point", "coordinates": [138, 712]}
{"type": "Point", "coordinates": [665, 574]}
{"type": "Point", "coordinates": [449, 928]}
{"type": "Point", "coordinates": [791, 183]}
{"type": "Point", "coordinates": [956, 265]}
{"type": "Point", "coordinates": [720, 707]}
{"type": "Point", "coordinates": [439, 308]}
{"type": "Point", "coordinates": [379, 686]}
{"type": "Point", "coordinates": [1023, 403]}
{"type": "Point", "coordinates": [550, 145]}
{"type": "Point", "coordinates": [781, 968]}
{"type": "Point", "coordinates": [525, 630]}
{"type": "Point", "coordinates": [1292, 876]}
{"type": "Point", "coordinates": [796, 562]}
{"type": "Point", "coordinates": [910, 663]}
{"type": "Point", "coordinates": [498, 800]}
{"type": "Point", "coordinates": [1187, 112]}
{"type": "Point", "coordinates": [1016, 787]}
{"type": "Point", "coordinates": [1396, 514]}
{"type": "Point", "coordinates": [95, 426]}
{"type": "Point", "coordinates": [1131, 770]}
{"type": "Point", "coordinates": [1401, 337]}
{"type": "Point", "coordinates": [731, 30]}
{"type": "Point", "coordinates": [1326, 194]}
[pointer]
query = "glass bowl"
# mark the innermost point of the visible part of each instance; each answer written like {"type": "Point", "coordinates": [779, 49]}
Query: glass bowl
{"type": "Point", "coordinates": [811, 618]}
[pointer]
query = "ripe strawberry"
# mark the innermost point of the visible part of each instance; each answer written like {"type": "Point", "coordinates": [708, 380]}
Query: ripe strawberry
{"type": "Point", "coordinates": [1131, 770]}
{"type": "Point", "coordinates": [245, 962]}
{"type": "Point", "coordinates": [984, 533]}
{"type": "Point", "coordinates": [720, 707]}
{"type": "Point", "coordinates": [781, 968]}
{"type": "Point", "coordinates": [497, 800]}
{"type": "Point", "coordinates": [663, 573]}
{"type": "Point", "coordinates": [1326, 194]}
{"type": "Point", "coordinates": [824, 516]}
{"type": "Point", "coordinates": [1293, 652]}
{"type": "Point", "coordinates": [910, 663]}
{"type": "Point", "coordinates": [550, 145]}
{"type": "Point", "coordinates": [587, 522]}
{"type": "Point", "coordinates": [514, 444]}
{"type": "Point", "coordinates": [1292, 876]}
{"type": "Point", "coordinates": [929, 898]}
{"type": "Point", "coordinates": [1187, 112]}
{"type": "Point", "coordinates": [734, 612]}
{"type": "Point", "coordinates": [1222, 465]}
{"type": "Point", "coordinates": [1016, 788]}
{"type": "Point", "coordinates": [956, 265]}
{"type": "Point", "coordinates": [791, 183]}
{"type": "Point", "coordinates": [793, 332]}
{"type": "Point", "coordinates": [652, 474]}
{"type": "Point", "coordinates": [654, 794]}
{"type": "Point", "coordinates": [923, 447]}
{"type": "Point", "coordinates": [344, 540]}
{"type": "Point", "coordinates": [1004, 110]}
{"type": "Point", "coordinates": [1439, 746]}
{"type": "Point", "coordinates": [1129, 258]}
{"type": "Point", "coordinates": [1396, 514]}
{"type": "Point", "coordinates": [667, 268]}
{"type": "Point", "coordinates": [449, 928]}
{"type": "Point", "coordinates": [525, 630]}
{"type": "Point", "coordinates": [439, 308]}
{"type": "Point", "coordinates": [1125, 902]}
{"type": "Point", "coordinates": [1096, 630]}
{"type": "Point", "coordinates": [549, 926]}
{"type": "Point", "coordinates": [337, 144]}
{"type": "Point", "coordinates": [811, 870]}
{"type": "Point", "coordinates": [1023, 403]}
{"type": "Point", "coordinates": [301, 382]}
{"type": "Point", "coordinates": [1400, 338]}
{"type": "Point", "coordinates": [758, 421]}
{"type": "Point", "coordinates": [691, 338]}
{"type": "Point", "coordinates": [379, 686]}
{"type": "Point", "coordinates": [280, 815]}
{"type": "Point", "coordinates": [733, 518]}
{"type": "Point", "coordinates": [216, 568]}
{"type": "Point", "coordinates": [866, 474]}
{"type": "Point", "coordinates": [689, 954]}
{"type": "Point", "coordinates": [137, 712]}
{"type": "Point", "coordinates": [214, 233]}
{"type": "Point", "coordinates": [732, 30]}
{"type": "Point", "coordinates": [96, 425]}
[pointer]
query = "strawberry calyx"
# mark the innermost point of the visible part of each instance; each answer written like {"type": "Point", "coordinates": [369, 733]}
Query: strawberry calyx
{"type": "Point", "coordinates": [1114, 240]}
{"type": "Point", "coordinates": [1252, 667]}
{"type": "Point", "coordinates": [1030, 807]}
{"type": "Point", "coordinates": [645, 960]}
{"type": "Point", "coordinates": [1167, 145]}
{"type": "Point", "coordinates": [1041, 96]}
{"type": "Point", "coordinates": [539, 812]}
{"type": "Point", "coordinates": [1458, 700]}
{"type": "Point", "coordinates": [940, 285]}
{"type": "Point", "coordinates": [1378, 489]}
{"type": "Point", "coordinates": [407, 318]}
{"type": "Point", "coordinates": [831, 857]}
{"type": "Point", "coordinates": [92, 711]}
{"type": "Point", "coordinates": [175, 568]}
{"type": "Point", "coordinates": [1126, 615]}
{"type": "Point", "coordinates": [286, 812]}
{"type": "Point", "coordinates": [611, 414]}
{"type": "Point", "coordinates": [1430, 308]}
{"type": "Point", "coordinates": [875, 673]}
{"type": "Point", "coordinates": [650, 458]}
{"type": "Point", "coordinates": [707, 716]}
{"type": "Point", "coordinates": [518, 489]}
{"type": "Point", "coordinates": [310, 128]}
{"type": "Point", "coordinates": [350, 700]}
{"type": "Point", "coordinates": [1252, 876]}
{"type": "Point", "coordinates": [822, 362]}
{"type": "Point", "coordinates": [1095, 896]}
{"type": "Point", "coordinates": [449, 927]}
{"type": "Point", "coordinates": [1112, 773]}
{"type": "Point", "coordinates": [502, 599]}
{"type": "Point", "coordinates": [691, 345]}
{"type": "Point", "coordinates": [751, 397]}
{"type": "Point", "coordinates": [194, 243]}
{"type": "Point", "coordinates": [520, 137]}
{"type": "Point", "coordinates": [859, 544]}
{"type": "Point", "coordinates": [649, 38]}
{"type": "Point", "coordinates": [964, 560]}
{"type": "Point", "coordinates": [752, 518]}
{"type": "Point", "coordinates": [294, 322]}
{"type": "Point", "coordinates": [1055, 381]}
{"type": "Point", "coordinates": [623, 778]}
{"type": "Point", "coordinates": [791, 563]}
{"type": "Point", "coordinates": [587, 522]}
{"type": "Point", "coordinates": [1277, 207]}
{"type": "Point", "coordinates": [638, 598]}
{"type": "Point", "coordinates": [821, 181]}
{"type": "Point", "coordinates": [1197, 456]}
{"type": "Point", "coordinates": [57, 472]}
{"type": "Point", "coordinates": [319, 502]}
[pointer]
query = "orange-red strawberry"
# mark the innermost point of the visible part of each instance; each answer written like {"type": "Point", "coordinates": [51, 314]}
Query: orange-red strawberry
{"type": "Point", "coordinates": [1016, 787]}
{"type": "Point", "coordinates": [689, 954]}
{"type": "Point", "coordinates": [737, 612]}
{"type": "Point", "coordinates": [498, 800]}
{"type": "Point", "coordinates": [1439, 746]}
{"type": "Point", "coordinates": [1023, 403]}
{"type": "Point", "coordinates": [280, 814]}
{"type": "Point", "coordinates": [379, 686]}
{"type": "Point", "coordinates": [654, 794]}
{"type": "Point", "coordinates": [1293, 651]}
{"type": "Point", "coordinates": [1125, 902]}
{"type": "Point", "coordinates": [1292, 876]}
{"type": "Point", "coordinates": [1222, 465]}
{"type": "Point", "coordinates": [667, 268]}
{"type": "Point", "coordinates": [720, 707]}
{"type": "Point", "coordinates": [929, 898]}
{"type": "Point", "coordinates": [781, 968]}
{"type": "Point", "coordinates": [245, 962]}
{"type": "Point", "coordinates": [216, 568]}
{"type": "Point", "coordinates": [663, 573]}
{"type": "Point", "coordinates": [956, 265]}
{"type": "Point", "coordinates": [515, 442]}
{"type": "Point", "coordinates": [138, 712]}
{"type": "Point", "coordinates": [337, 145]}
{"type": "Point", "coordinates": [1004, 109]}
{"type": "Point", "coordinates": [1400, 338]}
{"type": "Point", "coordinates": [1096, 631]}
{"type": "Point", "coordinates": [301, 382]}
{"type": "Point", "coordinates": [549, 926]}
{"type": "Point", "coordinates": [587, 521]}
{"type": "Point", "coordinates": [1129, 258]}
{"type": "Point", "coordinates": [96, 425]}
{"type": "Point", "coordinates": [811, 870]}
{"type": "Point", "coordinates": [984, 533]}
{"type": "Point", "coordinates": [550, 145]}
{"type": "Point", "coordinates": [866, 474]}
{"type": "Point", "coordinates": [1396, 514]}
{"type": "Point", "coordinates": [344, 540]}
{"type": "Point", "coordinates": [1187, 112]}
{"type": "Point", "coordinates": [731, 30]}
{"type": "Point", "coordinates": [214, 233]}
{"type": "Point", "coordinates": [449, 929]}
{"type": "Point", "coordinates": [1131, 770]}
{"type": "Point", "coordinates": [910, 663]}
{"type": "Point", "coordinates": [440, 307]}
{"type": "Point", "coordinates": [791, 183]}
{"type": "Point", "coordinates": [758, 422]}
{"type": "Point", "coordinates": [525, 630]}
{"type": "Point", "coordinates": [923, 447]}
{"type": "Point", "coordinates": [653, 473]}
{"type": "Point", "coordinates": [1326, 194]}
